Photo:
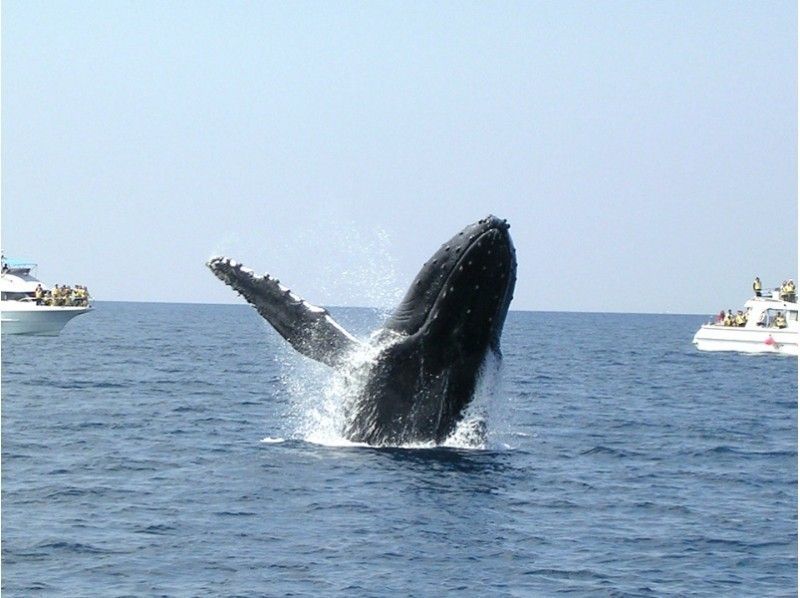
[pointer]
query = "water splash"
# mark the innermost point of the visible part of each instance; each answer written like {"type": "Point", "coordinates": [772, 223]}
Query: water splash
{"type": "Point", "coordinates": [322, 406]}
{"type": "Point", "coordinates": [326, 422]}
{"type": "Point", "coordinates": [360, 269]}
{"type": "Point", "coordinates": [473, 431]}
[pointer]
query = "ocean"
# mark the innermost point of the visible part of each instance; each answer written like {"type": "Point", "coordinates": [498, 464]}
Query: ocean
{"type": "Point", "coordinates": [185, 450]}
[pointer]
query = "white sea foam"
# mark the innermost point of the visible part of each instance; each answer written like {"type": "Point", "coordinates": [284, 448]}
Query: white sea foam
{"type": "Point", "coordinates": [323, 404]}
{"type": "Point", "coordinates": [270, 440]}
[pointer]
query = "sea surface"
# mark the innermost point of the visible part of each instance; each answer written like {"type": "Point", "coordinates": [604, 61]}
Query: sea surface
{"type": "Point", "coordinates": [185, 450]}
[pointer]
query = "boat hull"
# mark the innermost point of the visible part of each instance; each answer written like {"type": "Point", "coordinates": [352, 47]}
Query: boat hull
{"type": "Point", "coordinates": [36, 319]}
{"type": "Point", "coordinates": [713, 337]}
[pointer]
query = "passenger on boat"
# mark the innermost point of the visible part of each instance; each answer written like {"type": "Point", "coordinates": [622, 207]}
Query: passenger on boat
{"type": "Point", "coordinates": [38, 294]}
{"type": "Point", "coordinates": [728, 319]}
{"type": "Point", "coordinates": [740, 319]}
{"type": "Point", "coordinates": [757, 286]}
{"type": "Point", "coordinates": [788, 291]}
{"type": "Point", "coordinates": [779, 321]}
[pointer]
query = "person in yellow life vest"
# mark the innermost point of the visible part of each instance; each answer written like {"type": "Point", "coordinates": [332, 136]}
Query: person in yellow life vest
{"type": "Point", "coordinates": [739, 320]}
{"type": "Point", "coordinates": [784, 292]}
{"type": "Point", "coordinates": [728, 319]}
{"type": "Point", "coordinates": [779, 321]}
{"type": "Point", "coordinates": [791, 294]}
{"type": "Point", "coordinates": [38, 294]}
{"type": "Point", "coordinates": [757, 286]}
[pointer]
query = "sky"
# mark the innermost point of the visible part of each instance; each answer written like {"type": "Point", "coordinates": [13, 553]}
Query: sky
{"type": "Point", "coordinates": [644, 153]}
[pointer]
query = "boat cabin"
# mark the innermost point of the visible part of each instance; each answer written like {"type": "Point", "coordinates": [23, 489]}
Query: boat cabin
{"type": "Point", "coordinates": [17, 283]}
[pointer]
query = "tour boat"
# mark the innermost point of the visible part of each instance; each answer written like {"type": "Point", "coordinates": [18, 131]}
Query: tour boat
{"type": "Point", "coordinates": [20, 310]}
{"type": "Point", "coordinates": [771, 327]}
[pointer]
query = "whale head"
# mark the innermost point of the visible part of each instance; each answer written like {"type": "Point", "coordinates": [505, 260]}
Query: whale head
{"type": "Point", "coordinates": [461, 295]}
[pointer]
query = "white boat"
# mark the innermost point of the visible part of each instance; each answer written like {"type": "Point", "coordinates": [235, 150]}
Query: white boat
{"type": "Point", "coordinates": [762, 332]}
{"type": "Point", "coordinates": [21, 313]}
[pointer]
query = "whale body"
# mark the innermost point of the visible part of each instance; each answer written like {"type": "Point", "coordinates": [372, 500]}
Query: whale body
{"type": "Point", "coordinates": [430, 352]}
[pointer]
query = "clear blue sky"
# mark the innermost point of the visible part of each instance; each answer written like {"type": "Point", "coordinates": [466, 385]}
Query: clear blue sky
{"type": "Point", "coordinates": [645, 153]}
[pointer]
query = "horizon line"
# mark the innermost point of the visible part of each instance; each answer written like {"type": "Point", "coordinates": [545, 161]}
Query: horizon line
{"type": "Point", "coordinates": [556, 311]}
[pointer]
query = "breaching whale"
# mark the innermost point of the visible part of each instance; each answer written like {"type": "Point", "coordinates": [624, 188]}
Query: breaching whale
{"type": "Point", "coordinates": [431, 349]}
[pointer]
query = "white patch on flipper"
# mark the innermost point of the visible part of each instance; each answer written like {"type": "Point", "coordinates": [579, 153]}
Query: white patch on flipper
{"type": "Point", "coordinates": [314, 308]}
{"type": "Point", "coordinates": [335, 324]}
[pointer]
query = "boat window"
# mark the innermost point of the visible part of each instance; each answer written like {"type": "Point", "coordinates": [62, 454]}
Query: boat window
{"type": "Point", "coordinates": [15, 296]}
{"type": "Point", "coordinates": [769, 316]}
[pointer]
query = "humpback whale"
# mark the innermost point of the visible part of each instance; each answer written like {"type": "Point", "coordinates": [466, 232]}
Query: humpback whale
{"type": "Point", "coordinates": [431, 350]}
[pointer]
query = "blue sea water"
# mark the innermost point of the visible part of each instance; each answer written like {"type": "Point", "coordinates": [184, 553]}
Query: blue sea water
{"type": "Point", "coordinates": [184, 450]}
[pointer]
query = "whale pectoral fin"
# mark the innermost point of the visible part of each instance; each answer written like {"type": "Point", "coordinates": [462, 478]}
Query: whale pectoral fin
{"type": "Point", "coordinates": [309, 329]}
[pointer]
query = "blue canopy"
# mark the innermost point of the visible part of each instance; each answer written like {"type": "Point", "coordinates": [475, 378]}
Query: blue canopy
{"type": "Point", "coordinates": [14, 263]}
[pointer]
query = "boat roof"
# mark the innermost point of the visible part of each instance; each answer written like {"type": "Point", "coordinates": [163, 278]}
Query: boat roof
{"type": "Point", "coordinates": [760, 304]}
{"type": "Point", "coordinates": [17, 263]}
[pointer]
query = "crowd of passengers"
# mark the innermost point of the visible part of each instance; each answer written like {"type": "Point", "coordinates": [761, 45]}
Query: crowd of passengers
{"type": "Point", "coordinates": [740, 319]}
{"type": "Point", "coordinates": [77, 296]}
{"type": "Point", "coordinates": [729, 319]}
{"type": "Point", "coordinates": [788, 292]}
